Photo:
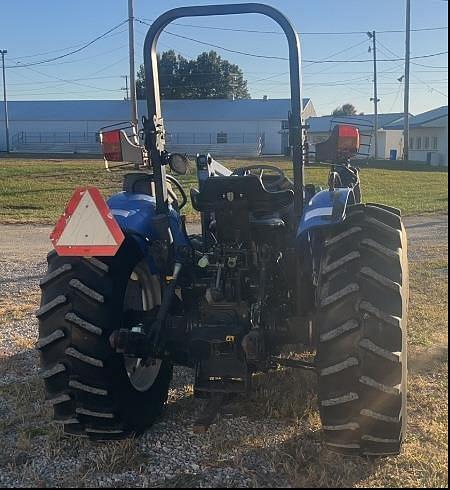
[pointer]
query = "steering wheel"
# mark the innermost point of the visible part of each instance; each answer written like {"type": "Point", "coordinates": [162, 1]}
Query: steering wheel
{"type": "Point", "coordinates": [261, 169]}
{"type": "Point", "coordinates": [180, 189]}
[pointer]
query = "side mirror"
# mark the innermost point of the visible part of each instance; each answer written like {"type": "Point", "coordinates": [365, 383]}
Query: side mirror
{"type": "Point", "coordinates": [179, 163]}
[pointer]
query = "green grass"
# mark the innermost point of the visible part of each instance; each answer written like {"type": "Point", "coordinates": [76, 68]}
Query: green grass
{"type": "Point", "coordinates": [36, 191]}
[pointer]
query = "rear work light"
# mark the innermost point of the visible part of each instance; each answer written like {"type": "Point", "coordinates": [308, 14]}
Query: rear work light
{"type": "Point", "coordinates": [111, 146]}
{"type": "Point", "coordinates": [348, 139]}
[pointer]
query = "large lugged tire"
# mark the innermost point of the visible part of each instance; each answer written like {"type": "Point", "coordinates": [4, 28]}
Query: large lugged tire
{"type": "Point", "coordinates": [363, 298]}
{"type": "Point", "coordinates": [92, 389]}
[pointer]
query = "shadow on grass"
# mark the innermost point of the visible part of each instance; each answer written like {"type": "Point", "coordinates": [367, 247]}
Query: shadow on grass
{"type": "Point", "coordinates": [287, 448]}
{"type": "Point", "coordinates": [400, 165]}
{"type": "Point", "coordinates": [270, 439]}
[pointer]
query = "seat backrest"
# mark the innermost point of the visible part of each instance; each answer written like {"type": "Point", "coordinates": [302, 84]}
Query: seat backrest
{"type": "Point", "coordinates": [232, 199]}
{"type": "Point", "coordinates": [218, 192]}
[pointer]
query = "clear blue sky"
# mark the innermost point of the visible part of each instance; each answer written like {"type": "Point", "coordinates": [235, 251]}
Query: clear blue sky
{"type": "Point", "coordinates": [30, 27]}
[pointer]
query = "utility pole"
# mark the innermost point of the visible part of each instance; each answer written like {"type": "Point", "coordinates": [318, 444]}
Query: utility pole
{"type": "Point", "coordinates": [375, 99]}
{"type": "Point", "coordinates": [127, 90]}
{"type": "Point", "coordinates": [3, 52]}
{"type": "Point", "coordinates": [407, 79]}
{"type": "Point", "coordinates": [133, 98]}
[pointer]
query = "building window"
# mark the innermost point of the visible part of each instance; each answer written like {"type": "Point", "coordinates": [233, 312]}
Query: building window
{"type": "Point", "coordinates": [435, 143]}
{"type": "Point", "coordinates": [411, 142]}
{"type": "Point", "coordinates": [427, 142]}
{"type": "Point", "coordinates": [285, 125]}
{"type": "Point", "coordinates": [222, 138]}
{"type": "Point", "coordinates": [419, 143]}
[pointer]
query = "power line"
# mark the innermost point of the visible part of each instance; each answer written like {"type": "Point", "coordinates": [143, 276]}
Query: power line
{"type": "Point", "coordinates": [79, 60]}
{"type": "Point", "coordinates": [400, 89]}
{"type": "Point", "coordinates": [37, 82]}
{"type": "Point", "coordinates": [71, 53]}
{"type": "Point", "coordinates": [62, 49]}
{"type": "Point", "coordinates": [107, 67]}
{"type": "Point", "coordinates": [22, 94]}
{"type": "Point", "coordinates": [336, 33]}
{"type": "Point", "coordinates": [122, 60]}
{"type": "Point", "coordinates": [254, 55]}
{"type": "Point", "coordinates": [330, 56]}
{"type": "Point", "coordinates": [355, 82]}
{"type": "Point", "coordinates": [211, 45]}
{"type": "Point", "coordinates": [431, 67]}
{"type": "Point", "coordinates": [433, 89]}
{"type": "Point", "coordinates": [339, 52]}
{"type": "Point", "coordinates": [70, 82]}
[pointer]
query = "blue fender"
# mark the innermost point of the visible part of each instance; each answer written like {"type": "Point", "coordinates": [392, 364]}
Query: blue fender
{"type": "Point", "coordinates": [135, 212]}
{"type": "Point", "coordinates": [325, 209]}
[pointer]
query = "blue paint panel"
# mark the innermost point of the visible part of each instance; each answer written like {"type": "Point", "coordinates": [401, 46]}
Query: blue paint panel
{"type": "Point", "coordinates": [135, 212]}
{"type": "Point", "coordinates": [326, 208]}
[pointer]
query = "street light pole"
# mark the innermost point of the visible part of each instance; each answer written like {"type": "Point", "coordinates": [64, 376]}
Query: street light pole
{"type": "Point", "coordinates": [133, 98]}
{"type": "Point", "coordinates": [3, 52]}
{"type": "Point", "coordinates": [375, 99]}
{"type": "Point", "coordinates": [407, 79]}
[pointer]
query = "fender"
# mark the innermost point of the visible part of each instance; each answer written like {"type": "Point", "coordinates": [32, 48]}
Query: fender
{"type": "Point", "coordinates": [135, 213]}
{"type": "Point", "coordinates": [326, 208]}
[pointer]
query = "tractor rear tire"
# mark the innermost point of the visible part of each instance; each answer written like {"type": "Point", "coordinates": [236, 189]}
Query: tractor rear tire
{"type": "Point", "coordinates": [87, 382]}
{"type": "Point", "coordinates": [362, 302]}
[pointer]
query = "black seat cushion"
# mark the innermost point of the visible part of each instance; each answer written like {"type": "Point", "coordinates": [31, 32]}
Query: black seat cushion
{"type": "Point", "coordinates": [236, 201]}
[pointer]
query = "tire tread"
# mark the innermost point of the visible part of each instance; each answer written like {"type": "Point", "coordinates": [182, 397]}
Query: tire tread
{"type": "Point", "coordinates": [362, 303]}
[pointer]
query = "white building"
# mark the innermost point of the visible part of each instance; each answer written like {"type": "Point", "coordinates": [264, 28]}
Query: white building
{"type": "Point", "coordinates": [429, 137]}
{"type": "Point", "coordinates": [224, 127]}
{"type": "Point", "coordinates": [390, 140]}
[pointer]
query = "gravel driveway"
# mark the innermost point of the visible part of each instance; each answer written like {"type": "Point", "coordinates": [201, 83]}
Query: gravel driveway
{"type": "Point", "coordinates": [170, 455]}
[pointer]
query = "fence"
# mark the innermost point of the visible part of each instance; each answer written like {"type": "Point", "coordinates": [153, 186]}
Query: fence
{"type": "Point", "coordinates": [218, 144]}
{"type": "Point", "coordinates": [55, 142]}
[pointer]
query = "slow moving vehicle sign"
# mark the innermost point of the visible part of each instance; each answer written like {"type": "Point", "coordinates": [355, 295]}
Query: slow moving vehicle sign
{"type": "Point", "coordinates": [87, 227]}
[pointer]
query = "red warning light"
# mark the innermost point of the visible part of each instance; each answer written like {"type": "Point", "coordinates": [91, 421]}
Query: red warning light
{"type": "Point", "coordinates": [111, 145]}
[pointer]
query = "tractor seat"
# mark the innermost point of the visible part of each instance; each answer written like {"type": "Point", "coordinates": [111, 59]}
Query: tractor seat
{"type": "Point", "coordinates": [242, 206]}
{"type": "Point", "coordinates": [240, 191]}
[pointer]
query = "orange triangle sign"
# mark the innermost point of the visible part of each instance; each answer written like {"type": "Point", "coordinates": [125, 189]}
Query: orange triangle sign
{"type": "Point", "coordinates": [87, 228]}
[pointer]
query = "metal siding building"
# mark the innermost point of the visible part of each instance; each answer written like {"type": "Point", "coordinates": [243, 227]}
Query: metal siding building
{"type": "Point", "coordinates": [428, 137]}
{"type": "Point", "coordinates": [200, 125]}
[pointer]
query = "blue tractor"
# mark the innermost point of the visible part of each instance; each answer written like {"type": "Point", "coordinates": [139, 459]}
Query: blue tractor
{"type": "Point", "coordinates": [276, 263]}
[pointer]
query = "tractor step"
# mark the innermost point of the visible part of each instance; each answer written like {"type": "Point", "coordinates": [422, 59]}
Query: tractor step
{"type": "Point", "coordinates": [220, 387]}
{"type": "Point", "coordinates": [228, 376]}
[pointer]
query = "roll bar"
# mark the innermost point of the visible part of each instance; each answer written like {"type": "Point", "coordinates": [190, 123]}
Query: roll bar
{"type": "Point", "coordinates": [155, 137]}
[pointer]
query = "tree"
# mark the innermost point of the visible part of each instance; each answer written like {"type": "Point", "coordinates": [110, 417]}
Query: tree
{"type": "Point", "coordinates": [207, 77]}
{"type": "Point", "coordinates": [345, 110]}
